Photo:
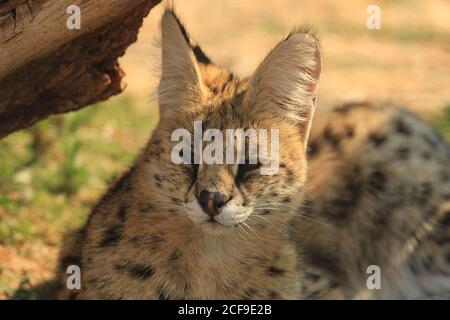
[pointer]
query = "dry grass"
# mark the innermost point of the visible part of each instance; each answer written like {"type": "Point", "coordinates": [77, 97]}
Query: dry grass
{"type": "Point", "coordinates": [407, 61]}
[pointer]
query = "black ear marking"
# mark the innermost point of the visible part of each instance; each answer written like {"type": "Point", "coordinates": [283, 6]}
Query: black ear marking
{"type": "Point", "coordinates": [199, 54]}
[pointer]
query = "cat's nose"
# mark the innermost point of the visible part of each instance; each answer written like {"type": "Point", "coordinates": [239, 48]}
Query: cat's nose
{"type": "Point", "coordinates": [211, 202]}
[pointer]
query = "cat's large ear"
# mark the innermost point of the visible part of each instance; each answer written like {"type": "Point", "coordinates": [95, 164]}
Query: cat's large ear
{"type": "Point", "coordinates": [181, 83]}
{"type": "Point", "coordinates": [285, 84]}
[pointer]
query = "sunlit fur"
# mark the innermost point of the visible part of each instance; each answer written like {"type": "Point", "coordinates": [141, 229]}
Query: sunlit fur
{"type": "Point", "coordinates": [375, 191]}
{"type": "Point", "coordinates": [149, 238]}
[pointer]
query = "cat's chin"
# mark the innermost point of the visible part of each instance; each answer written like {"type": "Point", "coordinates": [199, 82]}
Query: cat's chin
{"type": "Point", "coordinates": [214, 228]}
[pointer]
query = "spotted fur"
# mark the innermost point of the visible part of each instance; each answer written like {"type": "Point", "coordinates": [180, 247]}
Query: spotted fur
{"type": "Point", "coordinates": [376, 191]}
{"type": "Point", "coordinates": [378, 196]}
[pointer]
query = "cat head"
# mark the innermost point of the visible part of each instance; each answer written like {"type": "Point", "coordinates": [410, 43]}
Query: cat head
{"type": "Point", "coordinates": [229, 152]}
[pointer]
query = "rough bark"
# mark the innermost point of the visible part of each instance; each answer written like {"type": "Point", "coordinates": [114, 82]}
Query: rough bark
{"type": "Point", "coordinates": [45, 68]}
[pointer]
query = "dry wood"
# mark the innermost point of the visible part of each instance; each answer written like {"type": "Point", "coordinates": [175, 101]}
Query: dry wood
{"type": "Point", "coordinates": [45, 68]}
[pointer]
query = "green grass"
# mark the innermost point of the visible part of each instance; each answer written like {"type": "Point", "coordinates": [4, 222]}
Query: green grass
{"type": "Point", "coordinates": [52, 174]}
{"type": "Point", "coordinates": [63, 162]}
{"type": "Point", "coordinates": [442, 123]}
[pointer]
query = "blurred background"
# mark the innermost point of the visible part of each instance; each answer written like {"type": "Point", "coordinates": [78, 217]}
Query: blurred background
{"type": "Point", "coordinates": [52, 174]}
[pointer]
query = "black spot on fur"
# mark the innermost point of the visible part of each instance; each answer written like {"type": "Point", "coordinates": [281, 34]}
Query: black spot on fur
{"type": "Point", "coordinates": [347, 199]}
{"type": "Point", "coordinates": [71, 260]}
{"type": "Point", "coordinates": [111, 237]}
{"type": "Point", "coordinates": [157, 178]}
{"type": "Point", "coordinates": [136, 270]}
{"type": "Point", "coordinates": [430, 210]}
{"type": "Point", "coordinates": [226, 84]}
{"type": "Point", "coordinates": [380, 220]}
{"type": "Point", "coordinates": [306, 209]}
{"type": "Point", "coordinates": [246, 172]}
{"type": "Point", "coordinates": [349, 131]}
{"type": "Point", "coordinates": [377, 180]}
{"type": "Point", "coordinates": [266, 211]}
{"type": "Point", "coordinates": [441, 239]}
{"type": "Point", "coordinates": [339, 209]}
{"type": "Point", "coordinates": [377, 138]}
{"type": "Point", "coordinates": [333, 284]}
{"type": "Point", "coordinates": [313, 149]}
{"type": "Point", "coordinates": [156, 241]}
{"type": "Point", "coordinates": [332, 138]}
{"type": "Point", "coordinates": [401, 127]}
{"type": "Point", "coordinates": [162, 295]}
{"type": "Point", "coordinates": [426, 155]}
{"type": "Point", "coordinates": [445, 219]}
{"type": "Point", "coordinates": [403, 153]}
{"type": "Point", "coordinates": [273, 295]}
{"type": "Point", "coordinates": [73, 295]}
{"type": "Point", "coordinates": [93, 281]}
{"type": "Point", "coordinates": [123, 184]}
{"type": "Point", "coordinates": [323, 260]}
{"type": "Point", "coordinates": [122, 214]}
{"type": "Point", "coordinates": [275, 272]}
{"type": "Point", "coordinates": [346, 107]}
{"type": "Point", "coordinates": [286, 200]}
{"type": "Point", "coordinates": [290, 177]}
{"type": "Point", "coordinates": [140, 271]}
{"type": "Point", "coordinates": [274, 194]}
{"type": "Point", "coordinates": [214, 90]}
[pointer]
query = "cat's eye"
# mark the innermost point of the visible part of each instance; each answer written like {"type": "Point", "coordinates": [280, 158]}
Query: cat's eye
{"type": "Point", "coordinates": [245, 171]}
{"type": "Point", "coordinates": [250, 167]}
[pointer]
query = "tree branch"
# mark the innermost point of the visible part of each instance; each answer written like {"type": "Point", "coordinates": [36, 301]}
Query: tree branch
{"type": "Point", "coordinates": [45, 68]}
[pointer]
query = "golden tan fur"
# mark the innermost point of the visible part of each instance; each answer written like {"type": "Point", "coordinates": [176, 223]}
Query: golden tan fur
{"type": "Point", "coordinates": [306, 233]}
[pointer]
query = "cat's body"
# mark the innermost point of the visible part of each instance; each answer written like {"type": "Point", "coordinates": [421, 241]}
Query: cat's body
{"type": "Point", "coordinates": [377, 193]}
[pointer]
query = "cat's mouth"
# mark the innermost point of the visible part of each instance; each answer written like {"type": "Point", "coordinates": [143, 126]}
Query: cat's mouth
{"type": "Point", "coordinates": [230, 216]}
{"type": "Point", "coordinates": [212, 223]}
